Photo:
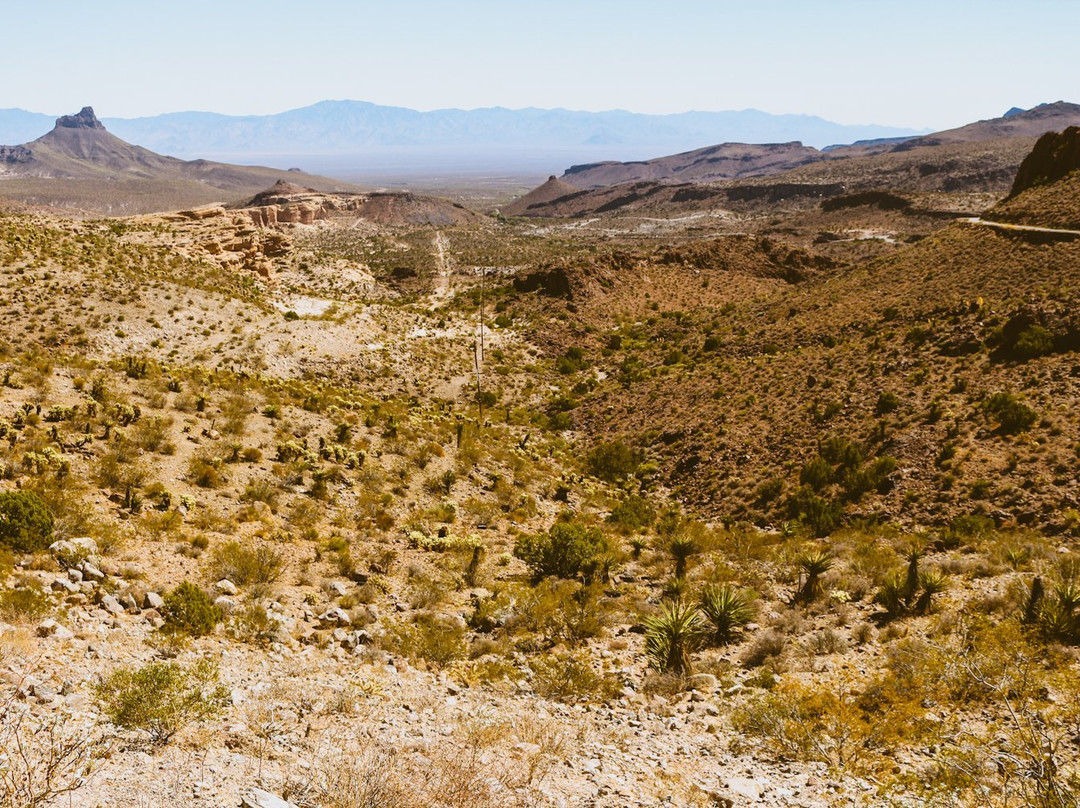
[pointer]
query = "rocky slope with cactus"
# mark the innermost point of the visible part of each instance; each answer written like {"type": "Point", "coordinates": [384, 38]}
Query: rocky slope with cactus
{"type": "Point", "coordinates": [499, 513]}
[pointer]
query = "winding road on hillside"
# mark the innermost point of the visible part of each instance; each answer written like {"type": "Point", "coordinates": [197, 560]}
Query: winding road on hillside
{"type": "Point", "coordinates": [1025, 228]}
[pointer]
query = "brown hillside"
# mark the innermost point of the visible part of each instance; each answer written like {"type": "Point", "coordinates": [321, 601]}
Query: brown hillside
{"type": "Point", "coordinates": [78, 165]}
{"type": "Point", "coordinates": [722, 162]}
{"type": "Point", "coordinates": [540, 197]}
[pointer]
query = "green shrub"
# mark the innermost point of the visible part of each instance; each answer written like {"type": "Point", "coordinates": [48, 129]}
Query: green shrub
{"type": "Point", "coordinates": [189, 610]}
{"type": "Point", "coordinates": [26, 525]}
{"type": "Point", "coordinates": [1032, 342]}
{"type": "Point", "coordinates": [162, 698]}
{"type": "Point", "coordinates": [567, 549]}
{"type": "Point", "coordinates": [429, 639]}
{"type": "Point", "coordinates": [633, 513]}
{"type": "Point", "coordinates": [205, 471]}
{"type": "Point", "coordinates": [254, 625]}
{"type": "Point", "coordinates": [820, 514]}
{"type": "Point", "coordinates": [887, 402]}
{"type": "Point", "coordinates": [768, 491]}
{"type": "Point", "coordinates": [817, 474]}
{"type": "Point", "coordinates": [571, 678]}
{"type": "Point", "coordinates": [25, 604]}
{"type": "Point", "coordinates": [613, 461]}
{"type": "Point", "coordinates": [1011, 414]}
{"type": "Point", "coordinates": [246, 565]}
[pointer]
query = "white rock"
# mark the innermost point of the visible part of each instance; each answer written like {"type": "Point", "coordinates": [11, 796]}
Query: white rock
{"type": "Point", "coordinates": [64, 585]}
{"type": "Point", "coordinates": [744, 787]}
{"type": "Point", "coordinates": [338, 588]}
{"type": "Point", "coordinates": [336, 616]}
{"type": "Point", "coordinates": [226, 587]}
{"type": "Point", "coordinates": [152, 600]}
{"type": "Point", "coordinates": [50, 628]}
{"type": "Point", "coordinates": [111, 605]}
{"type": "Point", "coordinates": [226, 605]}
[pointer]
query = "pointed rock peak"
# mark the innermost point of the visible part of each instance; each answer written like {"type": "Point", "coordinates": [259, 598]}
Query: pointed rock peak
{"type": "Point", "coordinates": [85, 119]}
{"type": "Point", "coordinates": [285, 187]}
{"type": "Point", "coordinates": [1014, 111]}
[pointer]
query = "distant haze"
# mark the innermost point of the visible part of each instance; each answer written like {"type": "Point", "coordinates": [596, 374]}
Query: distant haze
{"type": "Point", "coordinates": [357, 138]}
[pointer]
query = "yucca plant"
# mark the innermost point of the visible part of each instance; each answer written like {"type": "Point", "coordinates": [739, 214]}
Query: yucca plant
{"type": "Point", "coordinates": [912, 579]}
{"type": "Point", "coordinates": [675, 589]}
{"type": "Point", "coordinates": [931, 582]}
{"type": "Point", "coordinates": [891, 594]}
{"type": "Point", "coordinates": [682, 546]}
{"type": "Point", "coordinates": [813, 564]}
{"type": "Point", "coordinates": [1059, 615]}
{"type": "Point", "coordinates": [672, 635]}
{"type": "Point", "coordinates": [727, 609]}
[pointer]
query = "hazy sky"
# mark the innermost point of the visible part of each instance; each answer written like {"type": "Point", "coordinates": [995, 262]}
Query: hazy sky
{"type": "Point", "coordinates": [917, 63]}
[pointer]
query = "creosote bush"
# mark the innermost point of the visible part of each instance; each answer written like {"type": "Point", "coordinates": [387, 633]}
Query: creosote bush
{"type": "Point", "coordinates": [162, 698]}
{"type": "Point", "coordinates": [1011, 414]}
{"type": "Point", "coordinates": [189, 610]}
{"type": "Point", "coordinates": [566, 550]}
{"type": "Point", "coordinates": [246, 565]}
{"type": "Point", "coordinates": [26, 525]}
{"type": "Point", "coordinates": [571, 678]}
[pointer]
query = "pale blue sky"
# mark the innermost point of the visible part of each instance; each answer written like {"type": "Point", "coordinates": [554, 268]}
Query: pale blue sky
{"type": "Point", "coordinates": [920, 63]}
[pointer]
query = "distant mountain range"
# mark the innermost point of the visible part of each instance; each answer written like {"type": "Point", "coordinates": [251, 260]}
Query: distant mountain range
{"type": "Point", "coordinates": [356, 128]}
{"type": "Point", "coordinates": [981, 157]}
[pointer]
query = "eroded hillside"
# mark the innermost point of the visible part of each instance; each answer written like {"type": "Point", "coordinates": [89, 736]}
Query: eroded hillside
{"type": "Point", "coordinates": [359, 504]}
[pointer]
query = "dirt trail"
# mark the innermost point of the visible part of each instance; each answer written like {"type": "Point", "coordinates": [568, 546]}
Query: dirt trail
{"type": "Point", "coordinates": [441, 292]}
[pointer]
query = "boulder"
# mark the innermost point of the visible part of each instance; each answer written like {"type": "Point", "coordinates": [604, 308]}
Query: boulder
{"type": "Point", "coordinates": [335, 617]}
{"type": "Point", "coordinates": [50, 628]}
{"type": "Point", "coordinates": [111, 605]}
{"type": "Point", "coordinates": [257, 798]}
{"type": "Point", "coordinates": [226, 605]}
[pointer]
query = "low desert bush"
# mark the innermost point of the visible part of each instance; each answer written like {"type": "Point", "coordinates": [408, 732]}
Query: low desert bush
{"type": "Point", "coordinates": [161, 698]}
{"type": "Point", "coordinates": [565, 551]}
{"type": "Point", "coordinates": [246, 565]}
{"type": "Point", "coordinates": [189, 610]}
{"type": "Point", "coordinates": [26, 525]}
{"type": "Point", "coordinates": [428, 639]}
{"type": "Point", "coordinates": [571, 678]}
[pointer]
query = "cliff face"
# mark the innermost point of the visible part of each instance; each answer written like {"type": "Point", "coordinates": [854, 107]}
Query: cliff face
{"type": "Point", "coordinates": [83, 119]}
{"type": "Point", "coordinates": [1055, 156]}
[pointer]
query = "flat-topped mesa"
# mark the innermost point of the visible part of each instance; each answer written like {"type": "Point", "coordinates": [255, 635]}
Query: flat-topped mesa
{"type": "Point", "coordinates": [85, 119]}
